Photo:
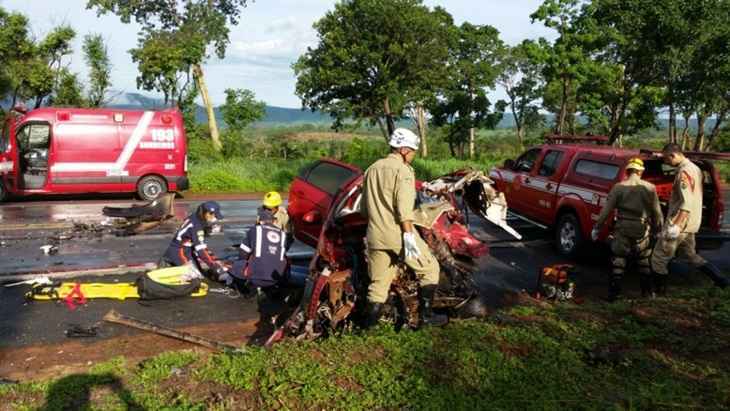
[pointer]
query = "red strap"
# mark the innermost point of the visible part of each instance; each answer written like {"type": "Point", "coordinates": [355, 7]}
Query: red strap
{"type": "Point", "coordinates": [75, 297]}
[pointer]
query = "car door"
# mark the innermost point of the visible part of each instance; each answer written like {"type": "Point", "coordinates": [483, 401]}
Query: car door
{"type": "Point", "coordinates": [520, 193]}
{"type": "Point", "coordinates": [9, 164]}
{"type": "Point", "coordinates": [311, 195]}
{"type": "Point", "coordinates": [542, 186]}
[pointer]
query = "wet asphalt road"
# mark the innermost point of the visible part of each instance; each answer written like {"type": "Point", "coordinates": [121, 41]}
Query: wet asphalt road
{"type": "Point", "coordinates": [510, 266]}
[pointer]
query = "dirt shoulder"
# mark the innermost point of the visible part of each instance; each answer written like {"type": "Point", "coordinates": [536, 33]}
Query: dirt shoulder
{"type": "Point", "coordinates": [41, 362]}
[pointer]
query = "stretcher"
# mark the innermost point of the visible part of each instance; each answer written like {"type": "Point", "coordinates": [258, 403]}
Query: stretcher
{"type": "Point", "coordinates": [73, 292]}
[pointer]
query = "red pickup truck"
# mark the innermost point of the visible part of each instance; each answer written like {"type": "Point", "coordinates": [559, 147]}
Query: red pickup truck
{"type": "Point", "coordinates": [564, 186]}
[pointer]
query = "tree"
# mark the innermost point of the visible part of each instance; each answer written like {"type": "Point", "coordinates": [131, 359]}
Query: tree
{"type": "Point", "coordinates": [204, 22]}
{"type": "Point", "coordinates": [473, 69]}
{"type": "Point", "coordinates": [523, 84]}
{"type": "Point", "coordinates": [165, 60]}
{"type": "Point", "coordinates": [68, 92]}
{"type": "Point", "coordinates": [563, 61]}
{"type": "Point", "coordinates": [96, 55]}
{"type": "Point", "coordinates": [373, 58]}
{"type": "Point", "coordinates": [241, 108]}
{"type": "Point", "coordinates": [15, 46]}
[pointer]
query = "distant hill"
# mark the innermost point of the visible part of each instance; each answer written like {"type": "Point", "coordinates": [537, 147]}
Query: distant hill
{"type": "Point", "coordinates": [283, 115]}
{"type": "Point", "coordinates": [273, 114]}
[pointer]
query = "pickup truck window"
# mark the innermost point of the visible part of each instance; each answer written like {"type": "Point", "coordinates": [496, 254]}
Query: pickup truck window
{"type": "Point", "coordinates": [550, 163]}
{"type": "Point", "coordinates": [527, 160]}
{"type": "Point", "coordinates": [329, 177]}
{"type": "Point", "coordinates": [595, 169]}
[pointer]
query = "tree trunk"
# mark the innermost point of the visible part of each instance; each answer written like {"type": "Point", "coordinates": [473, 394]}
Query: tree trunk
{"type": "Point", "coordinates": [388, 117]}
{"type": "Point", "coordinates": [451, 147]}
{"type": "Point", "coordinates": [685, 131]}
{"type": "Point", "coordinates": [421, 126]}
{"type": "Point", "coordinates": [716, 128]}
{"type": "Point", "coordinates": [700, 139]}
{"type": "Point", "coordinates": [521, 137]}
{"type": "Point", "coordinates": [672, 118]}
{"type": "Point", "coordinates": [212, 124]}
{"type": "Point", "coordinates": [471, 143]}
{"type": "Point", "coordinates": [15, 97]}
{"type": "Point", "coordinates": [616, 129]}
{"type": "Point", "coordinates": [563, 108]}
{"type": "Point", "coordinates": [382, 128]}
{"type": "Point", "coordinates": [518, 120]}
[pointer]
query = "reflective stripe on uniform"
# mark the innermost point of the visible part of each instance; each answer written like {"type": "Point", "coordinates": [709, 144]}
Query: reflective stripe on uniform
{"type": "Point", "coordinates": [183, 230]}
{"type": "Point", "coordinates": [200, 247]}
{"type": "Point", "coordinates": [258, 240]}
{"type": "Point", "coordinates": [245, 248]}
{"type": "Point", "coordinates": [283, 241]}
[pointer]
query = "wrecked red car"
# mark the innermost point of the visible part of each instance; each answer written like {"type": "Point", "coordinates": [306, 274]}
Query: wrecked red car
{"type": "Point", "coordinates": [324, 205]}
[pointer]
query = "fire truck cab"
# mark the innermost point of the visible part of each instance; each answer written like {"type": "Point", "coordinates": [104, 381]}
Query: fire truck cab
{"type": "Point", "coordinates": [73, 150]}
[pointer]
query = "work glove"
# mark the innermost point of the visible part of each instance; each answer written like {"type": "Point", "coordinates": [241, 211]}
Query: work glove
{"type": "Point", "coordinates": [223, 275]}
{"type": "Point", "coordinates": [409, 245]}
{"type": "Point", "coordinates": [672, 231]}
{"type": "Point", "coordinates": [594, 233]}
{"type": "Point", "coordinates": [226, 278]}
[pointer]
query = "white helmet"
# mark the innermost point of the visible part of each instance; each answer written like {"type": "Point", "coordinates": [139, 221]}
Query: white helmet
{"type": "Point", "coordinates": [402, 137]}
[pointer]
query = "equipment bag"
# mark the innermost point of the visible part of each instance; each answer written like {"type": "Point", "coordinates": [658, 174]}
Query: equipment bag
{"type": "Point", "coordinates": [150, 289]}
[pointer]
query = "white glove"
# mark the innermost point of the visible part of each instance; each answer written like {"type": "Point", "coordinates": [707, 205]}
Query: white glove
{"type": "Point", "coordinates": [672, 231]}
{"type": "Point", "coordinates": [409, 245]}
{"type": "Point", "coordinates": [226, 278]}
{"type": "Point", "coordinates": [594, 233]}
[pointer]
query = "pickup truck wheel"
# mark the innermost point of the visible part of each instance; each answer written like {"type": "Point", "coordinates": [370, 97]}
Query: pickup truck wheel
{"type": "Point", "coordinates": [151, 188]}
{"type": "Point", "coordinates": [568, 235]}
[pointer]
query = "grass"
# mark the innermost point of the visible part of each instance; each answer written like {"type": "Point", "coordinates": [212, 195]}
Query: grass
{"type": "Point", "coordinates": [263, 160]}
{"type": "Point", "coordinates": [671, 353]}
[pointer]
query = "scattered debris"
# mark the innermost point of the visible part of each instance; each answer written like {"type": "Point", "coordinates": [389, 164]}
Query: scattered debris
{"type": "Point", "coordinates": [139, 218]}
{"type": "Point", "coordinates": [49, 249]}
{"type": "Point", "coordinates": [79, 331]}
{"type": "Point", "coordinates": [114, 317]}
{"type": "Point", "coordinates": [32, 281]}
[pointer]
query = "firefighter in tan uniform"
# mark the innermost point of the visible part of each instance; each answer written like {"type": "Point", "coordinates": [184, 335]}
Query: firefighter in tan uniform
{"type": "Point", "coordinates": [272, 202]}
{"type": "Point", "coordinates": [638, 215]}
{"type": "Point", "coordinates": [684, 218]}
{"type": "Point", "coordinates": [389, 194]}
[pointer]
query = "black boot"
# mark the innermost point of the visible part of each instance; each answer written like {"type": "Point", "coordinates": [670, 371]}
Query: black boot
{"type": "Point", "coordinates": [660, 284]}
{"type": "Point", "coordinates": [373, 312]}
{"type": "Point", "coordinates": [645, 281]}
{"type": "Point", "coordinates": [715, 275]}
{"type": "Point", "coordinates": [614, 290]}
{"type": "Point", "coordinates": [427, 315]}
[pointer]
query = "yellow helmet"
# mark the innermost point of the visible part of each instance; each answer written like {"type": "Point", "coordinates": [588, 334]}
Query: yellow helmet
{"type": "Point", "coordinates": [635, 164]}
{"type": "Point", "coordinates": [272, 199]}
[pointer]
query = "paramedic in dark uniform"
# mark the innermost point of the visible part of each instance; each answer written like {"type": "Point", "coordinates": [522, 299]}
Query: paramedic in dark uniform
{"type": "Point", "coordinates": [263, 260]}
{"type": "Point", "coordinates": [189, 241]}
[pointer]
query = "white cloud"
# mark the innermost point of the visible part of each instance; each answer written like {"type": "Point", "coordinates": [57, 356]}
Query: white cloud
{"type": "Point", "coordinates": [269, 38]}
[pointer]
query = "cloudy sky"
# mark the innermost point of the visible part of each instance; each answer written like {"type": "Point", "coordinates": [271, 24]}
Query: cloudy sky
{"type": "Point", "coordinates": [270, 36]}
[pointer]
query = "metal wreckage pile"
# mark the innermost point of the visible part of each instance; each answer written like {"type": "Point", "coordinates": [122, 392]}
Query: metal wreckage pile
{"type": "Point", "coordinates": [337, 284]}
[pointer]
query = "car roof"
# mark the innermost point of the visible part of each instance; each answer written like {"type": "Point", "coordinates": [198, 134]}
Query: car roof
{"type": "Point", "coordinates": [602, 151]}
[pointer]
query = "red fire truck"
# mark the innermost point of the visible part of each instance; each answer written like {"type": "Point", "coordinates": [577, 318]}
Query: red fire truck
{"type": "Point", "coordinates": [73, 150]}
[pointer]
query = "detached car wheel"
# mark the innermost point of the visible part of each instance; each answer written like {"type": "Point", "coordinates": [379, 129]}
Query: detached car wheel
{"type": "Point", "coordinates": [568, 235]}
{"type": "Point", "coordinates": [151, 188]}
